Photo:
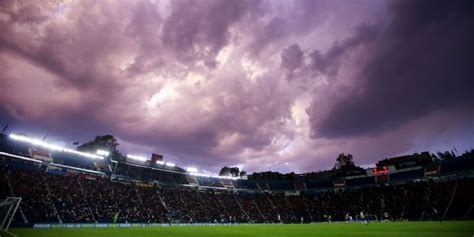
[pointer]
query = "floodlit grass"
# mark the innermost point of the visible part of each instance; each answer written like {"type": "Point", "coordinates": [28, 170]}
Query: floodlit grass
{"type": "Point", "coordinates": [444, 229]}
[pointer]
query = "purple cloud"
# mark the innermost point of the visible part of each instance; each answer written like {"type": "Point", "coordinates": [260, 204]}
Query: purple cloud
{"type": "Point", "coordinates": [420, 63]}
{"type": "Point", "coordinates": [207, 82]}
{"type": "Point", "coordinates": [292, 59]}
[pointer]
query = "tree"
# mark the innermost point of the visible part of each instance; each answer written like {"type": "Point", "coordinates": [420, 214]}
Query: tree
{"type": "Point", "coordinates": [105, 142]}
{"type": "Point", "coordinates": [345, 166]}
{"type": "Point", "coordinates": [232, 171]}
{"type": "Point", "coordinates": [224, 171]}
{"type": "Point", "coordinates": [344, 161]}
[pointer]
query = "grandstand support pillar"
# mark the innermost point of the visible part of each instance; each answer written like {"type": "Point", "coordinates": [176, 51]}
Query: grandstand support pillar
{"type": "Point", "coordinates": [242, 209]}
{"type": "Point", "coordinates": [258, 209]}
{"type": "Point", "coordinates": [85, 197]}
{"type": "Point", "coordinates": [163, 202]}
{"type": "Point", "coordinates": [468, 212]}
{"type": "Point", "coordinates": [271, 203]}
{"type": "Point", "coordinates": [450, 200]}
{"type": "Point", "coordinates": [291, 208]}
{"type": "Point", "coordinates": [51, 200]}
{"type": "Point", "coordinates": [308, 212]}
{"type": "Point", "coordinates": [141, 203]}
{"type": "Point", "coordinates": [427, 200]}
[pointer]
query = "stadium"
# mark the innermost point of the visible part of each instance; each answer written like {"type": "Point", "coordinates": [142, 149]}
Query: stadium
{"type": "Point", "coordinates": [56, 190]}
{"type": "Point", "coordinates": [236, 118]}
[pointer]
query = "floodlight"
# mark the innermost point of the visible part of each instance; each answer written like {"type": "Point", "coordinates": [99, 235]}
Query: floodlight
{"type": "Point", "coordinates": [139, 158]}
{"type": "Point", "coordinates": [36, 142]}
{"type": "Point", "coordinates": [102, 153]}
{"type": "Point", "coordinates": [192, 170]}
{"type": "Point", "coordinates": [170, 164]}
{"type": "Point", "coordinates": [54, 147]}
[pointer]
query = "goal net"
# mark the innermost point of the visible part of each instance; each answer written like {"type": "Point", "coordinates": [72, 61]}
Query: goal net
{"type": "Point", "coordinates": [8, 208]}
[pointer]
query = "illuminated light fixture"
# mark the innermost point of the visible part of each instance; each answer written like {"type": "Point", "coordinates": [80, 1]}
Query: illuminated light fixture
{"type": "Point", "coordinates": [102, 153]}
{"type": "Point", "coordinates": [226, 177]}
{"type": "Point", "coordinates": [214, 176]}
{"type": "Point", "coordinates": [53, 147]}
{"type": "Point", "coordinates": [36, 142]}
{"type": "Point", "coordinates": [139, 158]}
{"type": "Point", "coordinates": [88, 155]}
{"type": "Point", "coordinates": [192, 170]}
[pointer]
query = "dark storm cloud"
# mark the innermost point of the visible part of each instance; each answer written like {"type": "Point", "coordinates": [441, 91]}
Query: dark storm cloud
{"type": "Point", "coordinates": [329, 63]}
{"type": "Point", "coordinates": [422, 62]}
{"type": "Point", "coordinates": [74, 52]}
{"type": "Point", "coordinates": [197, 30]}
{"type": "Point", "coordinates": [98, 59]}
{"type": "Point", "coordinates": [204, 81]}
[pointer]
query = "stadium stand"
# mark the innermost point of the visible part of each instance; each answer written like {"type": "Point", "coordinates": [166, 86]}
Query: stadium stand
{"type": "Point", "coordinates": [137, 193]}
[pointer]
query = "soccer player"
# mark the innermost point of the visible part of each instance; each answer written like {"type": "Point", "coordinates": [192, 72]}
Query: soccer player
{"type": "Point", "coordinates": [386, 216]}
{"type": "Point", "coordinates": [362, 217]}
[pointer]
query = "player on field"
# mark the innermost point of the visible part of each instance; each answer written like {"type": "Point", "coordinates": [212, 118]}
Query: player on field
{"type": "Point", "coordinates": [386, 216]}
{"type": "Point", "coordinates": [362, 217]}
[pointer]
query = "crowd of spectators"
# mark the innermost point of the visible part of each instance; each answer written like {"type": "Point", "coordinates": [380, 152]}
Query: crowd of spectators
{"type": "Point", "coordinates": [100, 195]}
{"type": "Point", "coordinates": [68, 198]}
{"type": "Point", "coordinates": [153, 203]}
{"type": "Point", "coordinates": [31, 186]}
{"type": "Point", "coordinates": [77, 198]}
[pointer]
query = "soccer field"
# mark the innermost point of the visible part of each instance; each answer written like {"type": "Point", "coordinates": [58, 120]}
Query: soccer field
{"type": "Point", "coordinates": [444, 229]}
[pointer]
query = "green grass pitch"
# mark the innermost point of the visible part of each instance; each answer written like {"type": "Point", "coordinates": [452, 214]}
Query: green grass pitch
{"type": "Point", "coordinates": [444, 229]}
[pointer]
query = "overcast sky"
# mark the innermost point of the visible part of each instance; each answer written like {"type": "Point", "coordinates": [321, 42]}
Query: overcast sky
{"type": "Point", "coordinates": [267, 85]}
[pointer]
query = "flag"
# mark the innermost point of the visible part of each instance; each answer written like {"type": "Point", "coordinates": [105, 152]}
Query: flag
{"type": "Point", "coordinates": [45, 136]}
{"type": "Point", "coordinates": [5, 128]}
